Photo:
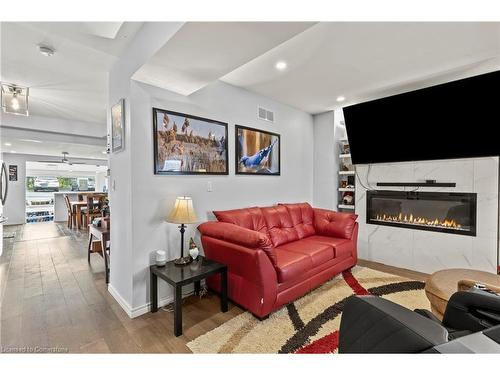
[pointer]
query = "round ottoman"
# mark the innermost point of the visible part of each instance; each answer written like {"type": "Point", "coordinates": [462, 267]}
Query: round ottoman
{"type": "Point", "coordinates": [442, 284]}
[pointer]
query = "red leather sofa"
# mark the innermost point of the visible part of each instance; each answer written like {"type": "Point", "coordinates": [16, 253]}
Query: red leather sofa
{"type": "Point", "coordinates": [277, 254]}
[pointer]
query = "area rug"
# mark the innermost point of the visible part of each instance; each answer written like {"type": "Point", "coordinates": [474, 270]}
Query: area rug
{"type": "Point", "coordinates": [310, 324]}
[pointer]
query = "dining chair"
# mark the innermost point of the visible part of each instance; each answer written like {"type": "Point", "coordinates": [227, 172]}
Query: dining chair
{"type": "Point", "coordinates": [71, 215]}
{"type": "Point", "coordinates": [101, 203]}
{"type": "Point", "coordinates": [91, 211]}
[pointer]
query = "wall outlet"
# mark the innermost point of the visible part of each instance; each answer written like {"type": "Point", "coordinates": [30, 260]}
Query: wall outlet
{"type": "Point", "coordinates": [209, 186]}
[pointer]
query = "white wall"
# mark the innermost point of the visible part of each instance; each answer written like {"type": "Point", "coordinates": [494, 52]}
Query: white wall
{"type": "Point", "coordinates": [101, 181]}
{"type": "Point", "coordinates": [329, 129]}
{"type": "Point", "coordinates": [152, 196]}
{"type": "Point", "coordinates": [147, 41]}
{"type": "Point", "coordinates": [15, 206]}
{"type": "Point", "coordinates": [325, 161]}
{"type": "Point", "coordinates": [430, 251]}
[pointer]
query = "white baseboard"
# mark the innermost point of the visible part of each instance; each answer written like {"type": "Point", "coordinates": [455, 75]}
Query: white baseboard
{"type": "Point", "coordinates": [121, 301]}
{"type": "Point", "coordinates": [139, 310]}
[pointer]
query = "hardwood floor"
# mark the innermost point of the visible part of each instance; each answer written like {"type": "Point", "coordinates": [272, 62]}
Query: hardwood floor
{"type": "Point", "coordinates": [414, 275]}
{"type": "Point", "coordinates": [52, 298]}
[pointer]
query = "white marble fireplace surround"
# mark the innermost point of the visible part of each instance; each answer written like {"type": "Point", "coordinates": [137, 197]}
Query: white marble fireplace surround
{"type": "Point", "coordinates": [426, 251]}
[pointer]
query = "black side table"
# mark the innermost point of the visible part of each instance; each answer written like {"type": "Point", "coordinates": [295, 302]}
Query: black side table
{"type": "Point", "coordinates": [178, 276]}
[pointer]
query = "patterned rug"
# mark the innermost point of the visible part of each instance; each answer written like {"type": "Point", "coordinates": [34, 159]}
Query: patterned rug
{"type": "Point", "coordinates": [310, 324]}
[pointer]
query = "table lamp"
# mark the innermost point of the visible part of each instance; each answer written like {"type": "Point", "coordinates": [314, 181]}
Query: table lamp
{"type": "Point", "coordinates": [182, 213]}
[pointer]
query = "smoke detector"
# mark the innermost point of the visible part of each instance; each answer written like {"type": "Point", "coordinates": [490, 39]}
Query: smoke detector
{"type": "Point", "coordinates": [46, 50]}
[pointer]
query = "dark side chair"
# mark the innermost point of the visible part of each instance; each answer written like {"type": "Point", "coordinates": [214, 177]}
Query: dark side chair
{"type": "Point", "coordinates": [372, 324]}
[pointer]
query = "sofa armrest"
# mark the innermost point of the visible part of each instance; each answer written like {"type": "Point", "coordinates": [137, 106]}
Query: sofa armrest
{"type": "Point", "coordinates": [371, 324]}
{"type": "Point", "coordinates": [235, 234]}
{"type": "Point", "coordinates": [253, 282]}
{"type": "Point", "coordinates": [472, 310]}
{"type": "Point", "coordinates": [334, 224]}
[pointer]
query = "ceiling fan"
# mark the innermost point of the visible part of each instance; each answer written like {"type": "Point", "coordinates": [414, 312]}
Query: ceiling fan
{"type": "Point", "coordinates": [64, 160]}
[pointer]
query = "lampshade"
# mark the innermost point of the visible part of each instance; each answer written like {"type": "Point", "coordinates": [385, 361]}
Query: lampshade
{"type": "Point", "coordinates": [183, 212]}
{"type": "Point", "coordinates": [15, 99]}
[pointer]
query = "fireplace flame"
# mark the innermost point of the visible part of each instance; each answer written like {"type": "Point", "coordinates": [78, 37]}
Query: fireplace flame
{"type": "Point", "coordinates": [405, 219]}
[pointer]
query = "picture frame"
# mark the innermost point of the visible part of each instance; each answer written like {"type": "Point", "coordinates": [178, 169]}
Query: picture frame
{"type": "Point", "coordinates": [257, 152]}
{"type": "Point", "coordinates": [12, 172]}
{"type": "Point", "coordinates": [186, 144]}
{"type": "Point", "coordinates": [118, 126]}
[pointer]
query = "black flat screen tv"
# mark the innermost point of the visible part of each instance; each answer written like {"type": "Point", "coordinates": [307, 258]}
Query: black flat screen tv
{"type": "Point", "coordinates": [459, 119]}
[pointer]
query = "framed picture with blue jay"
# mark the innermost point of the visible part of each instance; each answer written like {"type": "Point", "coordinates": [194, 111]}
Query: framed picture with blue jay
{"type": "Point", "coordinates": [257, 152]}
{"type": "Point", "coordinates": [187, 144]}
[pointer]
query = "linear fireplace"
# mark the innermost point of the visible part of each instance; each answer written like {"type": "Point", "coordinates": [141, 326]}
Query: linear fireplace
{"type": "Point", "coordinates": [432, 211]}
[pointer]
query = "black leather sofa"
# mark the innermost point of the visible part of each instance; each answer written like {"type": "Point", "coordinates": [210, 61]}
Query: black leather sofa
{"type": "Point", "coordinates": [471, 323]}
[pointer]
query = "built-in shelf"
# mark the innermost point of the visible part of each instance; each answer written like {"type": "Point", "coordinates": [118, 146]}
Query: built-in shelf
{"type": "Point", "coordinates": [40, 216]}
{"type": "Point", "coordinates": [419, 184]}
{"type": "Point", "coordinates": [347, 206]}
{"type": "Point", "coordinates": [345, 195]}
{"type": "Point", "coordinates": [39, 208]}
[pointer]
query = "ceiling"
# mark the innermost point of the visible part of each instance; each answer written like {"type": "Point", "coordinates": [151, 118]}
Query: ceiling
{"type": "Point", "coordinates": [202, 52]}
{"type": "Point", "coordinates": [360, 61]}
{"type": "Point", "coordinates": [366, 60]}
{"type": "Point", "coordinates": [71, 84]}
{"type": "Point", "coordinates": [325, 60]}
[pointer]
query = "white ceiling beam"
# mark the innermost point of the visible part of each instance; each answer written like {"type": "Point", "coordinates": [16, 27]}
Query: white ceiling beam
{"type": "Point", "coordinates": [48, 136]}
{"type": "Point", "coordinates": [147, 41]}
{"type": "Point", "coordinates": [107, 30]}
{"type": "Point", "coordinates": [50, 124]}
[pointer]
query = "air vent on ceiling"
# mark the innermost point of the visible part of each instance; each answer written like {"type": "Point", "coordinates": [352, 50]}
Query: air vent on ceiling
{"type": "Point", "coordinates": [266, 115]}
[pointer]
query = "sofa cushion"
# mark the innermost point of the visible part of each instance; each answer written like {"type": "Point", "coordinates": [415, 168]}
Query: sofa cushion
{"type": "Point", "coordinates": [302, 216]}
{"type": "Point", "coordinates": [250, 218]}
{"type": "Point", "coordinates": [342, 248]}
{"type": "Point", "coordinates": [291, 265]}
{"type": "Point", "coordinates": [334, 224]}
{"type": "Point", "coordinates": [318, 252]}
{"type": "Point", "coordinates": [279, 225]}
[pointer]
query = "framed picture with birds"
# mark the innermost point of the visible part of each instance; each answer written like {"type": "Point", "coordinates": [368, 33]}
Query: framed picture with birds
{"type": "Point", "coordinates": [257, 152]}
{"type": "Point", "coordinates": [187, 144]}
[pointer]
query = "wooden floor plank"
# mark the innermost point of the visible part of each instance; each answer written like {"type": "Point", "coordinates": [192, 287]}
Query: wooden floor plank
{"type": "Point", "coordinates": [50, 296]}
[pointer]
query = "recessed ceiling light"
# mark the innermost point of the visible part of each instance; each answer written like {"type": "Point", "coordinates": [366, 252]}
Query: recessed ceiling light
{"type": "Point", "coordinates": [104, 152]}
{"type": "Point", "coordinates": [46, 50]}
{"type": "Point", "coordinates": [7, 144]}
{"type": "Point", "coordinates": [13, 152]}
{"type": "Point", "coordinates": [30, 140]}
{"type": "Point", "coordinates": [281, 65]}
{"type": "Point", "coordinates": [340, 99]}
